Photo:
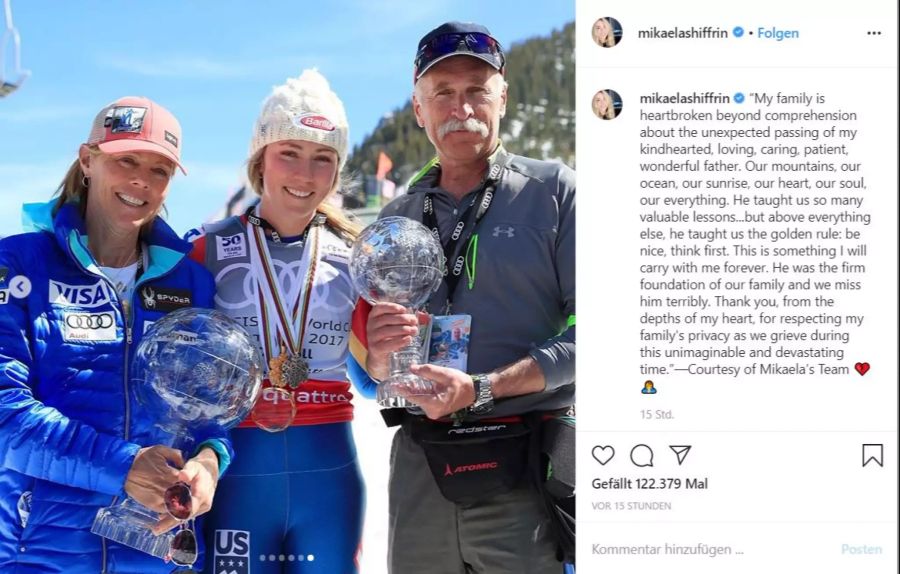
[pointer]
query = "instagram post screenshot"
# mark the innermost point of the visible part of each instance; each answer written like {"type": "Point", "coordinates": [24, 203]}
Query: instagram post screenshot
{"type": "Point", "coordinates": [737, 266]}
{"type": "Point", "coordinates": [288, 288]}
{"type": "Point", "coordinates": [291, 289]}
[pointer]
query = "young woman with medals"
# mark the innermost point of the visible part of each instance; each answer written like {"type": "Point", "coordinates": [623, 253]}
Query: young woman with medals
{"type": "Point", "coordinates": [294, 493]}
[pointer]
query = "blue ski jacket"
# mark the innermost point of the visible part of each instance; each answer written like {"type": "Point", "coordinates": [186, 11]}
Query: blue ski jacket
{"type": "Point", "coordinates": [70, 427]}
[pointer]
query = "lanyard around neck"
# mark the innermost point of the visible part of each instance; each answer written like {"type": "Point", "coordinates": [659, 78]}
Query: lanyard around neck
{"type": "Point", "coordinates": [463, 231]}
{"type": "Point", "coordinates": [258, 221]}
{"type": "Point", "coordinates": [279, 323]}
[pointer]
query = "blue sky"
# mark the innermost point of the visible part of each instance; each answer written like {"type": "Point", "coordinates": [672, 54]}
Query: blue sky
{"type": "Point", "coordinates": [212, 63]}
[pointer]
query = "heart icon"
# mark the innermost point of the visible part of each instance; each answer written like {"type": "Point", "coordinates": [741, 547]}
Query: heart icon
{"type": "Point", "coordinates": [603, 454]}
{"type": "Point", "coordinates": [861, 368]}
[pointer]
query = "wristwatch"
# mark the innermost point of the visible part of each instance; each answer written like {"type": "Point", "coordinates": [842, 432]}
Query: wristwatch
{"type": "Point", "coordinates": [484, 395]}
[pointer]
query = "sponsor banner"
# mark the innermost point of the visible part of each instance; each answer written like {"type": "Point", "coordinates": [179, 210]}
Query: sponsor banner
{"type": "Point", "coordinates": [490, 465]}
{"type": "Point", "coordinates": [316, 402]}
{"type": "Point", "coordinates": [232, 552]}
{"type": "Point", "coordinates": [125, 119]}
{"type": "Point", "coordinates": [84, 296]}
{"type": "Point", "coordinates": [164, 300]}
{"type": "Point", "coordinates": [89, 326]}
{"type": "Point", "coordinates": [231, 246]}
{"type": "Point", "coordinates": [314, 121]}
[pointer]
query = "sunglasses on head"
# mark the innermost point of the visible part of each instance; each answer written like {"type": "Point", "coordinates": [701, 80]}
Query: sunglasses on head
{"type": "Point", "coordinates": [474, 42]}
{"type": "Point", "coordinates": [180, 506]}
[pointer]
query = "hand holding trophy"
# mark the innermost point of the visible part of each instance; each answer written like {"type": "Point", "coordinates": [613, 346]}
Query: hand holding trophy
{"type": "Point", "coordinates": [195, 370]}
{"type": "Point", "coordinates": [398, 260]}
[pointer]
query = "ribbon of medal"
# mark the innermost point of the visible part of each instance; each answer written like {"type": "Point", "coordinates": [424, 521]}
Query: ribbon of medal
{"type": "Point", "coordinates": [282, 326]}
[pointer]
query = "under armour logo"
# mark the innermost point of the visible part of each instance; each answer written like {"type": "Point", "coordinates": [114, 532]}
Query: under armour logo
{"type": "Point", "coordinates": [448, 471]}
{"type": "Point", "coordinates": [506, 230]}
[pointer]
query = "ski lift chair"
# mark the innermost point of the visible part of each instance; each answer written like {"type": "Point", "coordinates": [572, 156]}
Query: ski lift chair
{"type": "Point", "coordinates": [11, 37]}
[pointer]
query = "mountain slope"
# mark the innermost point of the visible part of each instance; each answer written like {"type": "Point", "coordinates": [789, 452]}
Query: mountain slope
{"type": "Point", "coordinates": [540, 118]}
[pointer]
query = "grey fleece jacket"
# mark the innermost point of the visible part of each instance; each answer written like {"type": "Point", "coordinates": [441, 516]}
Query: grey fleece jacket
{"type": "Point", "coordinates": [522, 299]}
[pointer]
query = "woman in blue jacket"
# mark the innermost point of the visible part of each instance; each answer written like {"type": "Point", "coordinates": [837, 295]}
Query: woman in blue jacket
{"type": "Point", "coordinates": [75, 298]}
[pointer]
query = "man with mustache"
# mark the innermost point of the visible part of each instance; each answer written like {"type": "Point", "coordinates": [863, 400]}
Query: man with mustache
{"type": "Point", "coordinates": [507, 225]}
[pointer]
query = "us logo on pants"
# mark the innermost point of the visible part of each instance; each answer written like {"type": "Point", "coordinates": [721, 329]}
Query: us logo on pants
{"type": "Point", "coordinates": [232, 554]}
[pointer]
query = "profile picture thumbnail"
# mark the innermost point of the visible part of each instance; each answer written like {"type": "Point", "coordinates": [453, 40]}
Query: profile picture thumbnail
{"type": "Point", "coordinates": [606, 32]}
{"type": "Point", "coordinates": [607, 104]}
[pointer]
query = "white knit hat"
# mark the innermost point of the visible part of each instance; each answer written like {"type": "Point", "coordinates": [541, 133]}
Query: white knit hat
{"type": "Point", "coordinates": [306, 109]}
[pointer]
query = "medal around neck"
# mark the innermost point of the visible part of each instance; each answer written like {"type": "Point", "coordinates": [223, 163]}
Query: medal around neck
{"type": "Point", "coordinates": [282, 325]}
{"type": "Point", "coordinates": [276, 408]}
{"type": "Point", "coordinates": [288, 370]}
{"type": "Point", "coordinates": [194, 370]}
{"type": "Point", "coordinates": [398, 260]}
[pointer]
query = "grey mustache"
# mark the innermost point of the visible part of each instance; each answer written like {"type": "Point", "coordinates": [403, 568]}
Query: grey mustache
{"type": "Point", "coordinates": [469, 125]}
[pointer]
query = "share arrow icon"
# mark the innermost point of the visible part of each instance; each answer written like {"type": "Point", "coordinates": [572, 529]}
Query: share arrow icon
{"type": "Point", "coordinates": [681, 451]}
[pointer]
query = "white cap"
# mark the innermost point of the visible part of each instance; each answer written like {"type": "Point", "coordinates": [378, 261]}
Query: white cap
{"type": "Point", "coordinates": [306, 109]}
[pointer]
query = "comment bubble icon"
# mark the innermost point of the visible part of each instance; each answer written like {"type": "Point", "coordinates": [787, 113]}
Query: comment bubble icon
{"type": "Point", "coordinates": [642, 455]}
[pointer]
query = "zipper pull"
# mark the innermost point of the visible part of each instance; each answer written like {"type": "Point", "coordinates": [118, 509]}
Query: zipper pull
{"type": "Point", "coordinates": [127, 318]}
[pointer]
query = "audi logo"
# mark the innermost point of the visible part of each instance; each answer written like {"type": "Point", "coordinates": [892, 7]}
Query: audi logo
{"type": "Point", "coordinates": [457, 268]}
{"type": "Point", "coordinates": [94, 321]}
{"type": "Point", "coordinates": [487, 200]}
{"type": "Point", "coordinates": [458, 230]}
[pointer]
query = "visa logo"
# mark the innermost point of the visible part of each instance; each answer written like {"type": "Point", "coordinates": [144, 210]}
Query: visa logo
{"type": "Point", "coordinates": [81, 295]}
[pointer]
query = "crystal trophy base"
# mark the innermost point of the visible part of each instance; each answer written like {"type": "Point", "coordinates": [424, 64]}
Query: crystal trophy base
{"type": "Point", "coordinates": [392, 393]}
{"type": "Point", "coordinates": [129, 524]}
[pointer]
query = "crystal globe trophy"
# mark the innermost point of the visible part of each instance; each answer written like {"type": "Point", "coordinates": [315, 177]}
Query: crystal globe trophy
{"type": "Point", "coordinates": [197, 371]}
{"type": "Point", "coordinates": [398, 260]}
